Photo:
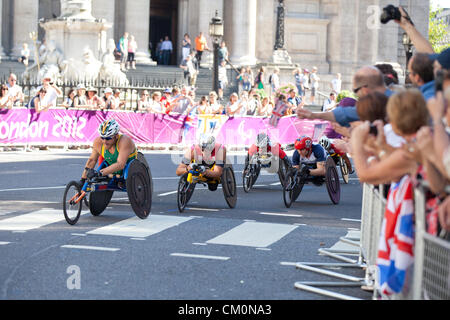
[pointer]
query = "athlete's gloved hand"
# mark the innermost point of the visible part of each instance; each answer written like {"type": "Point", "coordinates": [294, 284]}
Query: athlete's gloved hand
{"type": "Point", "coordinates": [201, 169]}
{"type": "Point", "coordinates": [305, 171]}
{"type": "Point", "coordinates": [91, 173]}
{"type": "Point", "coordinates": [81, 182]}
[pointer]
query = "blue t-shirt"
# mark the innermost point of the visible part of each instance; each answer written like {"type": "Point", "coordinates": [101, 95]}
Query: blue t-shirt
{"type": "Point", "coordinates": [318, 154]}
{"type": "Point", "coordinates": [428, 90]}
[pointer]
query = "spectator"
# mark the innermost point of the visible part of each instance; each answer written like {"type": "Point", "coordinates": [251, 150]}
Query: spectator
{"type": "Point", "coordinates": [441, 61]}
{"type": "Point", "coordinates": [166, 50]}
{"type": "Point", "coordinates": [274, 80]}
{"type": "Point", "coordinates": [243, 104]}
{"type": "Point", "coordinates": [305, 82]}
{"type": "Point", "coordinates": [293, 102]}
{"type": "Point", "coordinates": [5, 99]}
{"type": "Point", "coordinates": [203, 106]}
{"type": "Point", "coordinates": [69, 101]}
{"type": "Point", "coordinates": [366, 80]}
{"type": "Point", "coordinates": [330, 103]}
{"type": "Point", "coordinates": [106, 99]}
{"type": "Point", "coordinates": [200, 46]}
{"type": "Point", "coordinates": [144, 103]}
{"type": "Point", "coordinates": [336, 84]}
{"type": "Point", "coordinates": [116, 102]}
{"type": "Point", "coordinates": [166, 100]}
{"type": "Point", "coordinates": [184, 66]}
{"type": "Point", "coordinates": [390, 75]}
{"type": "Point", "coordinates": [260, 78]}
{"type": "Point", "coordinates": [186, 47]}
{"type": "Point", "coordinates": [247, 81]}
{"type": "Point", "coordinates": [24, 54]}
{"type": "Point", "coordinates": [223, 52]}
{"type": "Point", "coordinates": [223, 79]}
{"type": "Point", "coordinates": [253, 104]}
{"type": "Point", "coordinates": [51, 96]}
{"type": "Point", "coordinates": [158, 52]}
{"type": "Point", "coordinates": [420, 68]}
{"type": "Point", "coordinates": [35, 102]}
{"type": "Point", "coordinates": [92, 99]}
{"type": "Point", "coordinates": [407, 113]}
{"type": "Point", "coordinates": [132, 47]}
{"type": "Point", "coordinates": [233, 106]}
{"type": "Point", "coordinates": [240, 79]}
{"type": "Point", "coordinates": [299, 82]}
{"type": "Point", "coordinates": [155, 105]}
{"type": "Point", "coordinates": [314, 78]}
{"type": "Point", "coordinates": [123, 44]}
{"type": "Point", "coordinates": [193, 70]}
{"type": "Point", "coordinates": [214, 106]}
{"type": "Point", "coordinates": [190, 70]}
{"type": "Point", "coordinates": [15, 91]}
{"type": "Point", "coordinates": [80, 100]}
{"type": "Point", "coordinates": [182, 102]}
{"type": "Point", "coordinates": [265, 109]}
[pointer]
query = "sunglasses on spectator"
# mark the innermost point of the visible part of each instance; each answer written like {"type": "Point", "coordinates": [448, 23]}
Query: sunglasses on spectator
{"type": "Point", "coordinates": [355, 91]}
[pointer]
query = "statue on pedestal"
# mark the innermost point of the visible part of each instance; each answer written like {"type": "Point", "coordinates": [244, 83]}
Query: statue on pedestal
{"type": "Point", "coordinates": [77, 9]}
{"type": "Point", "coordinates": [110, 70]}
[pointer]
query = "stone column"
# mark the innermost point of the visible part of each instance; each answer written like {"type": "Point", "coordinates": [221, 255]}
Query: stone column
{"type": "Point", "coordinates": [103, 9]}
{"type": "Point", "coordinates": [25, 21]}
{"type": "Point", "coordinates": [240, 30]}
{"type": "Point", "coordinates": [137, 23]}
{"type": "Point", "coordinates": [2, 53]}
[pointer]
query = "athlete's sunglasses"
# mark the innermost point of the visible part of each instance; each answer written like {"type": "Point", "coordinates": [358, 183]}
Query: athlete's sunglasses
{"type": "Point", "coordinates": [107, 138]}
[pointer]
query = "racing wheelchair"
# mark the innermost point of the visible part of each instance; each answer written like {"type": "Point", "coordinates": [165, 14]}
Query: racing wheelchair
{"type": "Point", "coordinates": [263, 160]}
{"type": "Point", "coordinates": [339, 161]}
{"type": "Point", "coordinates": [295, 180]}
{"type": "Point", "coordinates": [189, 180]}
{"type": "Point", "coordinates": [136, 181]}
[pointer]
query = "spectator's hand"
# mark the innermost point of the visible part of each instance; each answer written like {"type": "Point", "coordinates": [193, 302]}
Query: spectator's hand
{"type": "Point", "coordinates": [344, 131]}
{"type": "Point", "coordinates": [404, 22]}
{"type": "Point", "coordinates": [342, 145]}
{"type": "Point", "coordinates": [360, 134]}
{"type": "Point", "coordinates": [381, 138]}
{"type": "Point", "coordinates": [425, 140]}
{"type": "Point", "coordinates": [436, 107]}
{"type": "Point", "coordinates": [304, 113]}
{"type": "Point", "coordinates": [444, 214]}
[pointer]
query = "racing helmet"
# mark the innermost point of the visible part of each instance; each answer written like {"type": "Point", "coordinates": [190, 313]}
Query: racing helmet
{"type": "Point", "coordinates": [207, 142]}
{"type": "Point", "coordinates": [325, 142]}
{"type": "Point", "coordinates": [108, 128]}
{"type": "Point", "coordinates": [262, 140]}
{"type": "Point", "coordinates": [303, 143]}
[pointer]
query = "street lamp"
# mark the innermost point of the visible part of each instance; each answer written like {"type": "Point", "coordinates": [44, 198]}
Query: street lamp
{"type": "Point", "coordinates": [216, 32]}
{"type": "Point", "coordinates": [407, 44]}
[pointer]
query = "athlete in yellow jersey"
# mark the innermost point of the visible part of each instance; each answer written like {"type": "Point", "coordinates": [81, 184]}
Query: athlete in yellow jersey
{"type": "Point", "coordinates": [115, 148]}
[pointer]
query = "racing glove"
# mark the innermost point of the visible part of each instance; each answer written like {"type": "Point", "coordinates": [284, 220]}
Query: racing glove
{"type": "Point", "coordinates": [305, 171]}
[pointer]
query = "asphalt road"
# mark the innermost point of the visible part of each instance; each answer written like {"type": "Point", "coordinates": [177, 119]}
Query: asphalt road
{"type": "Point", "coordinates": [208, 252]}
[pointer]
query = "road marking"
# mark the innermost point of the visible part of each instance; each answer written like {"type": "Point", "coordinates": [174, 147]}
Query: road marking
{"type": "Point", "coordinates": [167, 193]}
{"type": "Point", "coordinates": [201, 256]}
{"type": "Point", "coordinates": [138, 228]}
{"type": "Point", "coordinates": [2, 243]}
{"type": "Point", "coordinates": [79, 234]}
{"type": "Point", "coordinates": [199, 244]}
{"type": "Point", "coordinates": [202, 209]}
{"type": "Point", "coordinates": [275, 184]}
{"type": "Point", "coordinates": [254, 234]}
{"type": "Point", "coordinates": [348, 219]}
{"type": "Point", "coordinates": [281, 214]}
{"type": "Point", "coordinates": [299, 224]}
{"type": "Point", "coordinates": [32, 220]}
{"type": "Point", "coordinates": [285, 263]}
{"type": "Point", "coordinates": [35, 188]}
{"type": "Point", "coordinates": [140, 239]}
{"type": "Point", "coordinates": [89, 248]}
{"type": "Point", "coordinates": [264, 249]}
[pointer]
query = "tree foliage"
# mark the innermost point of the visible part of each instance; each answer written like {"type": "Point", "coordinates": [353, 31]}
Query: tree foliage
{"type": "Point", "coordinates": [438, 34]}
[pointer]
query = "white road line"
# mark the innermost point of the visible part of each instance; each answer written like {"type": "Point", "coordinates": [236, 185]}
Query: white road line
{"type": "Point", "coordinates": [281, 214]}
{"type": "Point", "coordinates": [202, 209]}
{"type": "Point", "coordinates": [299, 224]}
{"type": "Point", "coordinates": [201, 256]}
{"type": "Point", "coordinates": [89, 248]}
{"type": "Point", "coordinates": [285, 263]}
{"type": "Point", "coordinates": [254, 234]}
{"type": "Point", "coordinates": [275, 184]}
{"type": "Point", "coordinates": [199, 244]}
{"type": "Point", "coordinates": [167, 193]}
{"type": "Point", "coordinates": [138, 228]}
{"type": "Point", "coordinates": [141, 239]}
{"type": "Point", "coordinates": [35, 188]}
{"type": "Point", "coordinates": [79, 234]}
{"type": "Point", "coordinates": [32, 220]}
{"type": "Point", "coordinates": [348, 219]}
{"type": "Point", "coordinates": [2, 243]}
{"type": "Point", "coordinates": [263, 249]}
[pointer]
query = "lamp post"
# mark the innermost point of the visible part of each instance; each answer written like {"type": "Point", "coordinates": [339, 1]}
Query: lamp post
{"type": "Point", "coordinates": [407, 44]}
{"type": "Point", "coordinates": [216, 33]}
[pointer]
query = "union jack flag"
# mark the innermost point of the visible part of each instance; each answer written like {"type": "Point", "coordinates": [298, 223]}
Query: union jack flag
{"type": "Point", "coordinates": [395, 250]}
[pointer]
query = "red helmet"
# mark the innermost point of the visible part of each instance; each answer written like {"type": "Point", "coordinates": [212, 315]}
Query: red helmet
{"type": "Point", "coordinates": [303, 143]}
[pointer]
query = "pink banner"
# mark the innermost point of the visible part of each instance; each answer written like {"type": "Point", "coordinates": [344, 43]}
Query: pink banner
{"type": "Point", "coordinates": [61, 126]}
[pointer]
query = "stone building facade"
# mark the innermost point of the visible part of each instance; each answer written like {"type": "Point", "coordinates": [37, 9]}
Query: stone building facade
{"type": "Point", "coordinates": [334, 35]}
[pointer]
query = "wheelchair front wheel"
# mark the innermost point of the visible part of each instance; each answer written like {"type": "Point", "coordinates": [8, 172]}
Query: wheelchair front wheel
{"type": "Point", "coordinates": [71, 203]}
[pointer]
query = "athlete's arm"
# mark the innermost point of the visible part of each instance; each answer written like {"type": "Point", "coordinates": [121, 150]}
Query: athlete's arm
{"type": "Point", "coordinates": [217, 170]}
{"type": "Point", "coordinates": [126, 147]}
{"type": "Point", "coordinates": [93, 158]}
{"type": "Point", "coordinates": [184, 167]}
{"type": "Point", "coordinates": [319, 171]}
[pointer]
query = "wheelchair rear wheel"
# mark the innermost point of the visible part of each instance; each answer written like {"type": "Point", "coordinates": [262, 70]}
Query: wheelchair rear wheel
{"type": "Point", "coordinates": [139, 188]}
{"type": "Point", "coordinates": [229, 186]}
{"type": "Point", "coordinates": [332, 181]}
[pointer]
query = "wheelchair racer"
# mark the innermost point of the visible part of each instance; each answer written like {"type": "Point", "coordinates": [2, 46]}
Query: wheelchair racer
{"type": "Point", "coordinates": [263, 145]}
{"type": "Point", "coordinates": [115, 148]}
{"type": "Point", "coordinates": [210, 155]}
{"type": "Point", "coordinates": [313, 156]}
{"type": "Point", "coordinates": [326, 143]}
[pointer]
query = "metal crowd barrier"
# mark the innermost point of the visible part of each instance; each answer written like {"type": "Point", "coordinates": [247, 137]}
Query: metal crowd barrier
{"type": "Point", "coordinates": [427, 279]}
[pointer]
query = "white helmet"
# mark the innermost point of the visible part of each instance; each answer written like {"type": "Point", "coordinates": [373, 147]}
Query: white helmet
{"type": "Point", "coordinates": [262, 140]}
{"type": "Point", "coordinates": [207, 142]}
{"type": "Point", "coordinates": [325, 142]}
{"type": "Point", "coordinates": [108, 128]}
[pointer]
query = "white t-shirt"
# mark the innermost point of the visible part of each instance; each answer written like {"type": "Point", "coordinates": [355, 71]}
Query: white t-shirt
{"type": "Point", "coordinates": [336, 85]}
{"type": "Point", "coordinates": [50, 97]}
{"type": "Point", "coordinates": [314, 80]}
{"type": "Point", "coordinates": [392, 138]}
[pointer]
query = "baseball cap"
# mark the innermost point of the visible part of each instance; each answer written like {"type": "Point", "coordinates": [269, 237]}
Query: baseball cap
{"type": "Point", "coordinates": [443, 58]}
{"type": "Point", "coordinates": [167, 91]}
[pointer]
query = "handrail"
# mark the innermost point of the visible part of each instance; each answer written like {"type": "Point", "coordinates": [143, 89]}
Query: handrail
{"type": "Point", "coordinates": [232, 66]}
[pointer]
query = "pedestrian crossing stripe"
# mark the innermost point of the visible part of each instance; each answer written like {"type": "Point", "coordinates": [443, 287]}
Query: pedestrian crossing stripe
{"type": "Point", "coordinates": [138, 228]}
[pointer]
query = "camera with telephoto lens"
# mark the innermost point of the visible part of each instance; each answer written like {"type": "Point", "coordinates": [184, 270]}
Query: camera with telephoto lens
{"type": "Point", "coordinates": [393, 13]}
